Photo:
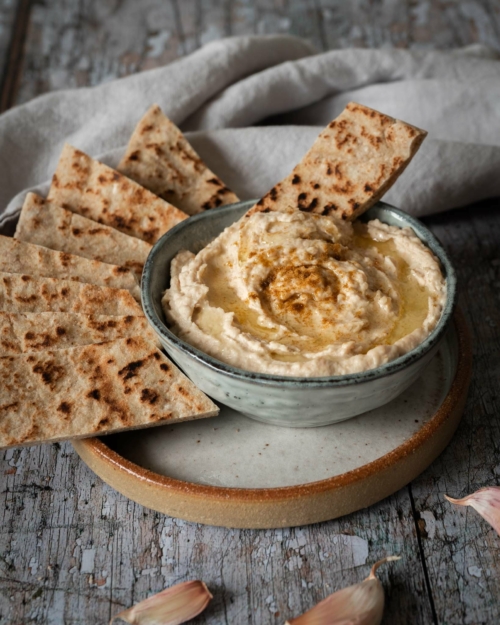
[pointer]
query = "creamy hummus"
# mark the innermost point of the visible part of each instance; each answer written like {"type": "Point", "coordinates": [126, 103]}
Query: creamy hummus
{"type": "Point", "coordinates": [301, 294]}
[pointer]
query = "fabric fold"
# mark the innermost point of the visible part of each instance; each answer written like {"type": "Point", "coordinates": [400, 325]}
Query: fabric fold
{"type": "Point", "coordinates": [255, 104]}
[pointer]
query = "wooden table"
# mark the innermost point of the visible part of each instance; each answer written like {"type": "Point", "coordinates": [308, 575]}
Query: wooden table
{"type": "Point", "coordinates": [72, 550]}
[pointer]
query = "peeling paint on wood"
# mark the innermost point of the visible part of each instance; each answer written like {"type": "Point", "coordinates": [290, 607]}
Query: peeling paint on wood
{"type": "Point", "coordinates": [75, 551]}
{"type": "Point", "coordinates": [73, 44]}
{"type": "Point", "coordinates": [460, 544]}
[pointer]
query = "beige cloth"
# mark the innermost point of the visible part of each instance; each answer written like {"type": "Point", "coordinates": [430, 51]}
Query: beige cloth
{"type": "Point", "coordinates": [255, 104]}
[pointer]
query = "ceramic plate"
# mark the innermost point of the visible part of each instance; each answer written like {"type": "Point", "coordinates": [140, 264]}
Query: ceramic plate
{"type": "Point", "coordinates": [236, 472]}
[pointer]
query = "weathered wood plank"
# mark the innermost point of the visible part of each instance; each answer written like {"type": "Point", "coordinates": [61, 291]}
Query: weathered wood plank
{"type": "Point", "coordinates": [7, 15]}
{"type": "Point", "coordinates": [420, 24]}
{"type": "Point", "coordinates": [462, 552]}
{"type": "Point", "coordinates": [14, 16]}
{"type": "Point", "coordinates": [295, 17]}
{"type": "Point", "coordinates": [75, 551]}
{"type": "Point", "coordinates": [72, 44]}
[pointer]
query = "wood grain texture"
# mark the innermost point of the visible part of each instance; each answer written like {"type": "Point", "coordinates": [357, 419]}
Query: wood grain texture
{"type": "Point", "coordinates": [462, 552]}
{"type": "Point", "coordinates": [7, 16]}
{"type": "Point", "coordinates": [14, 17]}
{"type": "Point", "coordinates": [423, 24]}
{"type": "Point", "coordinates": [73, 550]}
{"type": "Point", "coordinates": [74, 43]}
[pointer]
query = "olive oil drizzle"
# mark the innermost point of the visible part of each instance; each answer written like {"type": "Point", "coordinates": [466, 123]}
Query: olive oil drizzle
{"type": "Point", "coordinates": [414, 304]}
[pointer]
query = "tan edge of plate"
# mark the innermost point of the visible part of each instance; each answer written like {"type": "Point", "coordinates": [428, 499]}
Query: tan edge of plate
{"type": "Point", "coordinates": [260, 508]}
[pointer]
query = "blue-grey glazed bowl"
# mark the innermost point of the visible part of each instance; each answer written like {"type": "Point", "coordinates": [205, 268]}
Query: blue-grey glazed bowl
{"type": "Point", "coordinates": [285, 401]}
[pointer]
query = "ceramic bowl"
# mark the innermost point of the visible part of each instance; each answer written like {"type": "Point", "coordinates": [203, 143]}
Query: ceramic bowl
{"type": "Point", "coordinates": [281, 400]}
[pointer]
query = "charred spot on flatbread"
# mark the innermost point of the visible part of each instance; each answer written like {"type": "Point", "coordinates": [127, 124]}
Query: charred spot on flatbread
{"type": "Point", "coordinates": [41, 294]}
{"type": "Point", "coordinates": [94, 190]}
{"type": "Point", "coordinates": [92, 390]}
{"type": "Point", "coordinates": [41, 331]}
{"type": "Point", "coordinates": [352, 163]}
{"type": "Point", "coordinates": [44, 223]}
{"type": "Point", "coordinates": [161, 159]}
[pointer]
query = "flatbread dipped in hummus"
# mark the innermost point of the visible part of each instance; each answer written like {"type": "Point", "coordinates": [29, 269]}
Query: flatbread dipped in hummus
{"type": "Point", "coordinates": [44, 223]}
{"type": "Point", "coordinates": [352, 163]}
{"type": "Point", "coordinates": [294, 288]}
{"type": "Point", "coordinates": [94, 190]}
{"type": "Point", "coordinates": [21, 257]}
{"type": "Point", "coordinates": [23, 293]}
{"type": "Point", "coordinates": [35, 332]}
{"type": "Point", "coordinates": [160, 158]}
{"type": "Point", "coordinates": [93, 390]}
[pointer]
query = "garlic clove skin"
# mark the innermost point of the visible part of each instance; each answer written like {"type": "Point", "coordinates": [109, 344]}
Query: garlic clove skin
{"type": "Point", "coordinates": [486, 501]}
{"type": "Point", "coordinates": [360, 604]}
{"type": "Point", "coordinates": [173, 606]}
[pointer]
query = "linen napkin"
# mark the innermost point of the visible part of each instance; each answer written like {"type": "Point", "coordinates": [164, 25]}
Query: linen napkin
{"type": "Point", "coordinates": [253, 106]}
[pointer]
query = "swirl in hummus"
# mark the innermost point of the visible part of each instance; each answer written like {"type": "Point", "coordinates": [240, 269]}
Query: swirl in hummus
{"type": "Point", "coordinates": [300, 294]}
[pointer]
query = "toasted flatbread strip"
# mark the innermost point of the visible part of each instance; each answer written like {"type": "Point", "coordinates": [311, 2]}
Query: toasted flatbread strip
{"type": "Point", "coordinates": [35, 260]}
{"type": "Point", "coordinates": [49, 225]}
{"type": "Point", "coordinates": [23, 293]}
{"type": "Point", "coordinates": [93, 390]}
{"type": "Point", "coordinates": [160, 158]}
{"type": "Point", "coordinates": [89, 188]}
{"type": "Point", "coordinates": [352, 163]}
{"type": "Point", "coordinates": [35, 332]}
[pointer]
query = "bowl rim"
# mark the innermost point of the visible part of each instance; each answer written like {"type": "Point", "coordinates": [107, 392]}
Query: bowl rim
{"type": "Point", "coordinates": [267, 379]}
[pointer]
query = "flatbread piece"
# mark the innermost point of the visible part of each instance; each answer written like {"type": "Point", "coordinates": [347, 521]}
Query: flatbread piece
{"type": "Point", "coordinates": [35, 332]}
{"type": "Point", "coordinates": [160, 158]}
{"type": "Point", "coordinates": [89, 188]}
{"type": "Point", "coordinates": [352, 163]}
{"type": "Point", "coordinates": [44, 223]}
{"type": "Point", "coordinates": [93, 390]}
{"type": "Point", "coordinates": [21, 257]}
{"type": "Point", "coordinates": [21, 293]}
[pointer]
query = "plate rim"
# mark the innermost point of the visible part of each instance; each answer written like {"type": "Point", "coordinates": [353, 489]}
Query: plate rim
{"type": "Point", "coordinates": [97, 448]}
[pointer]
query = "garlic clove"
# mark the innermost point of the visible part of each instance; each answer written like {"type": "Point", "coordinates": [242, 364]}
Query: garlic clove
{"type": "Point", "coordinates": [172, 606]}
{"type": "Point", "coordinates": [362, 604]}
{"type": "Point", "coordinates": [486, 501]}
